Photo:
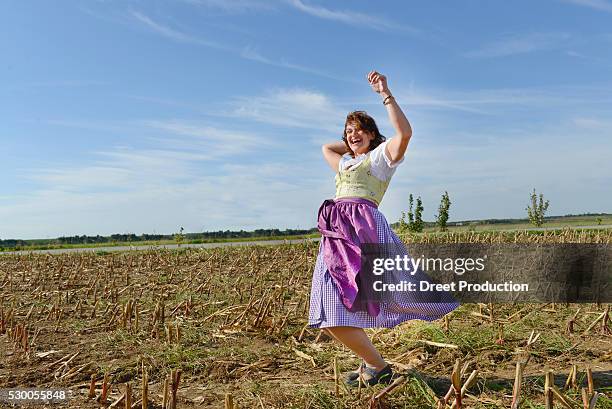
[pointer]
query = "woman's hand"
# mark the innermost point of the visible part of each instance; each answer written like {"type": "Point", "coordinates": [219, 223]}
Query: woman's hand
{"type": "Point", "coordinates": [396, 146]}
{"type": "Point", "coordinates": [378, 82]}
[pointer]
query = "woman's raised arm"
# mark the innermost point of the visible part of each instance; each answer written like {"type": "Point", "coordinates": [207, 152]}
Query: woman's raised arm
{"type": "Point", "coordinates": [332, 152]}
{"type": "Point", "coordinates": [396, 147]}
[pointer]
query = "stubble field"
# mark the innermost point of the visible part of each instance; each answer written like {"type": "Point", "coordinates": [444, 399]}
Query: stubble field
{"type": "Point", "coordinates": [220, 327]}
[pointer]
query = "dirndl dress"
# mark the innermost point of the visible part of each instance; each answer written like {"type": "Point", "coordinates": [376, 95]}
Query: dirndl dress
{"type": "Point", "coordinates": [327, 308]}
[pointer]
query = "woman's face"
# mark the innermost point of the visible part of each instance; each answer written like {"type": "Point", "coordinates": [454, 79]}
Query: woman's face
{"type": "Point", "coordinates": [358, 139]}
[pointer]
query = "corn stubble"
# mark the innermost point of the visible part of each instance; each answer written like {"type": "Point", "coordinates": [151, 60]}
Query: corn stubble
{"type": "Point", "coordinates": [226, 327]}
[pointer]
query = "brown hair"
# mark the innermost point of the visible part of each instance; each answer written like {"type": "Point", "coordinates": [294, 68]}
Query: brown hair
{"type": "Point", "coordinates": [361, 120]}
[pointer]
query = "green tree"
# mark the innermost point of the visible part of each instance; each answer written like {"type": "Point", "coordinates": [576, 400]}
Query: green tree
{"type": "Point", "coordinates": [442, 216]}
{"type": "Point", "coordinates": [410, 214]}
{"type": "Point", "coordinates": [403, 226]}
{"type": "Point", "coordinates": [537, 209]}
{"type": "Point", "coordinates": [599, 220]}
{"type": "Point", "coordinates": [179, 237]}
{"type": "Point", "coordinates": [415, 222]}
{"type": "Point", "coordinates": [418, 216]}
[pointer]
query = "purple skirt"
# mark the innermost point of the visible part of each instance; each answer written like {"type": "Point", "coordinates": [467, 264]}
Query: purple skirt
{"type": "Point", "coordinates": [328, 310]}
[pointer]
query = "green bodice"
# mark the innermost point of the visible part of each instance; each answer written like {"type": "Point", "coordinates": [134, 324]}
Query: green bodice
{"type": "Point", "coordinates": [358, 181]}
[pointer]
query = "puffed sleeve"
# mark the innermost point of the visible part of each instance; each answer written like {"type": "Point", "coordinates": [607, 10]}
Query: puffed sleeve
{"type": "Point", "coordinates": [382, 166]}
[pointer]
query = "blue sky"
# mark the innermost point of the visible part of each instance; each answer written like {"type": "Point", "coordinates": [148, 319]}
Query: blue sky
{"type": "Point", "coordinates": [145, 116]}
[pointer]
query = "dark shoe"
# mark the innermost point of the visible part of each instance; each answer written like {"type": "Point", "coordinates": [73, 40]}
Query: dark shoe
{"type": "Point", "coordinates": [370, 377]}
{"type": "Point", "coordinates": [351, 376]}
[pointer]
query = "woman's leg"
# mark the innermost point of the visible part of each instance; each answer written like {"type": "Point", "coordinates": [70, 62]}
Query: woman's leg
{"type": "Point", "coordinates": [358, 341]}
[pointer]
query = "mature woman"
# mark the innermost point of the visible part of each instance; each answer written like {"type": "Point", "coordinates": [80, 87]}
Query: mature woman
{"type": "Point", "coordinates": [338, 300]}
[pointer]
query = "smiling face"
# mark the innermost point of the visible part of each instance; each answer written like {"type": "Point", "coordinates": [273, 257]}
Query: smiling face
{"type": "Point", "coordinates": [358, 140]}
{"type": "Point", "coordinates": [361, 134]}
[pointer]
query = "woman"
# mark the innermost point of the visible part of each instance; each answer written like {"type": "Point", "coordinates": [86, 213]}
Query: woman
{"type": "Point", "coordinates": [339, 298]}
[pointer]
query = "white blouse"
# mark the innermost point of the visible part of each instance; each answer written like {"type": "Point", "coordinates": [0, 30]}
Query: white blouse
{"type": "Point", "coordinates": [382, 167]}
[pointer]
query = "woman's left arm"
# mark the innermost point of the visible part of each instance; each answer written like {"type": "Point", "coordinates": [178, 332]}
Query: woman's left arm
{"type": "Point", "coordinates": [396, 147]}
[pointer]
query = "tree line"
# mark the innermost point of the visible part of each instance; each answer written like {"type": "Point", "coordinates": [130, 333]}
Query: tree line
{"type": "Point", "coordinates": [410, 221]}
{"type": "Point", "coordinates": [131, 237]}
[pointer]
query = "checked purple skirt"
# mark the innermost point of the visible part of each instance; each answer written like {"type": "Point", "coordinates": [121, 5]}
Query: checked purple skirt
{"type": "Point", "coordinates": [327, 309]}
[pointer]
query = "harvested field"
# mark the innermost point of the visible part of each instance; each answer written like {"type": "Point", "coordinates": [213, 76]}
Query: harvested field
{"type": "Point", "coordinates": [226, 327]}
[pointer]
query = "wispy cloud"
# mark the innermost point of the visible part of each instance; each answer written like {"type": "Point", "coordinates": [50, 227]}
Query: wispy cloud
{"type": "Point", "coordinates": [497, 100]}
{"type": "Point", "coordinates": [602, 5]}
{"type": "Point", "coordinates": [252, 54]}
{"type": "Point", "coordinates": [62, 83]}
{"type": "Point", "coordinates": [233, 6]}
{"type": "Point", "coordinates": [248, 53]}
{"type": "Point", "coordinates": [118, 170]}
{"type": "Point", "coordinates": [178, 183]}
{"type": "Point", "coordinates": [92, 125]}
{"type": "Point", "coordinates": [72, 179]}
{"type": "Point", "coordinates": [173, 184]}
{"type": "Point", "coordinates": [172, 33]}
{"type": "Point", "coordinates": [575, 54]}
{"type": "Point", "coordinates": [179, 148]}
{"type": "Point", "coordinates": [350, 17]}
{"type": "Point", "coordinates": [186, 175]}
{"type": "Point", "coordinates": [323, 116]}
{"type": "Point", "coordinates": [242, 197]}
{"type": "Point", "coordinates": [215, 142]}
{"type": "Point", "coordinates": [447, 102]}
{"type": "Point", "coordinates": [478, 100]}
{"type": "Point", "coordinates": [520, 44]}
{"type": "Point", "coordinates": [514, 164]}
{"type": "Point", "coordinates": [297, 108]}
{"type": "Point", "coordinates": [594, 125]}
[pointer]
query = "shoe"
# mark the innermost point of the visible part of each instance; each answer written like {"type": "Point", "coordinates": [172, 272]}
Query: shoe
{"type": "Point", "coordinates": [370, 377]}
{"type": "Point", "coordinates": [351, 376]}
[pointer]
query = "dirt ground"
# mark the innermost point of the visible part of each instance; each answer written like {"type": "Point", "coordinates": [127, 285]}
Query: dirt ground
{"type": "Point", "coordinates": [233, 322]}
